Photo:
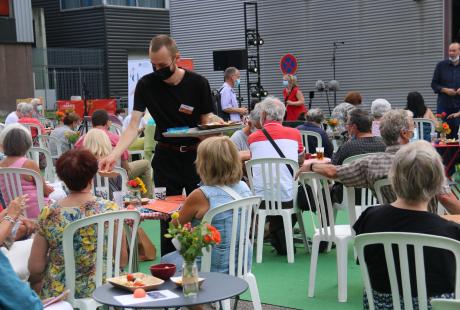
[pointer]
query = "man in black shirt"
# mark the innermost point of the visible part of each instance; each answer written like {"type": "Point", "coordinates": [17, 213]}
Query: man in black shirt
{"type": "Point", "coordinates": [175, 98]}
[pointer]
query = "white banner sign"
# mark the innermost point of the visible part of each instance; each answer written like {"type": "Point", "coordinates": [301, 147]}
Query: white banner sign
{"type": "Point", "coordinates": [137, 68]}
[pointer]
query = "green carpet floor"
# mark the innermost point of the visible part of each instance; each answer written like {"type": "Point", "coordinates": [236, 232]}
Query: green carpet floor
{"type": "Point", "coordinates": [286, 284]}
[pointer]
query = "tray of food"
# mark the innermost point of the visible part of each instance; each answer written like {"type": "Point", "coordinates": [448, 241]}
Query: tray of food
{"type": "Point", "coordinates": [205, 130]}
{"type": "Point", "coordinates": [451, 141]}
{"type": "Point", "coordinates": [215, 125]}
{"type": "Point", "coordinates": [132, 281]}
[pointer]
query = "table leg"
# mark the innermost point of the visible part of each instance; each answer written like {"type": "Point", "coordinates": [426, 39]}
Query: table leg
{"type": "Point", "coordinates": [235, 305]}
{"type": "Point", "coordinates": [135, 254]}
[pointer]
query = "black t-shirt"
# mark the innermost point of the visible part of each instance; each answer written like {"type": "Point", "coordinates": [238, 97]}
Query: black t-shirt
{"type": "Point", "coordinates": [174, 105]}
{"type": "Point", "coordinates": [439, 264]}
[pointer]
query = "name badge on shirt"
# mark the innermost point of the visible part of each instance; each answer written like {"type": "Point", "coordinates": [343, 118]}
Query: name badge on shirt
{"type": "Point", "coordinates": [186, 109]}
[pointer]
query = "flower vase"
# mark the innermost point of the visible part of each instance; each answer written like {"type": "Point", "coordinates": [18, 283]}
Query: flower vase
{"type": "Point", "coordinates": [190, 285]}
{"type": "Point", "coordinates": [135, 198]}
{"type": "Point", "coordinates": [442, 136]}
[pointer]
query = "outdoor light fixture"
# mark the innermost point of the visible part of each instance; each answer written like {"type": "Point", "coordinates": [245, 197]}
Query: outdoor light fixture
{"type": "Point", "coordinates": [254, 39]}
{"type": "Point", "coordinates": [252, 67]}
{"type": "Point", "coordinates": [258, 91]}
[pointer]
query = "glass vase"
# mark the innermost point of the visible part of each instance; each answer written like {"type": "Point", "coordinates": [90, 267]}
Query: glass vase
{"type": "Point", "coordinates": [135, 198]}
{"type": "Point", "coordinates": [442, 136]}
{"type": "Point", "coordinates": [190, 285]}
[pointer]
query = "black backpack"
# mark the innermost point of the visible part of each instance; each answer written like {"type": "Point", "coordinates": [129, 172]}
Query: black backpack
{"type": "Point", "coordinates": [216, 97]}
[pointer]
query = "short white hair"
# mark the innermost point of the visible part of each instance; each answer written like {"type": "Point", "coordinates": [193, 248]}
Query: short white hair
{"type": "Point", "coordinates": [273, 108]}
{"type": "Point", "coordinates": [379, 107]}
{"type": "Point", "coordinates": [417, 172]}
{"type": "Point", "coordinates": [26, 109]}
{"type": "Point", "coordinates": [12, 126]}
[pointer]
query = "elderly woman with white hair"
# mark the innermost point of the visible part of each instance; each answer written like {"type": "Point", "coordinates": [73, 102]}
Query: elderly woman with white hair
{"type": "Point", "coordinates": [27, 112]}
{"type": "Point", "coordinates": [378, 108]}
{"type": "Point", "coordinates": [416, 176]}
{"type": "Point", "coordinates": [315, 118]}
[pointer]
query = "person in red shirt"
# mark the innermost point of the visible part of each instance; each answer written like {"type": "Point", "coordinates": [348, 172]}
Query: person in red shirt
{"type": "Point", "coordinates": [27, 111]}
{"type": "Point", "coordinates": [293, 98]}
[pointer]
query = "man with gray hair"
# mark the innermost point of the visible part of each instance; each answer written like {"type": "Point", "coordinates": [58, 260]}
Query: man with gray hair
{"type": "Point", "coordinates": [14, 116]}
{"type": "Point", "coordinates": [397, 128]}
{"type": "Point", "coordinates": [288, 140]}
{"type": "Point", "coordinates": [315, 118]}
{"type": "Point", "coordinates": [228, 102]}
{"type": "Point", "coordinates": [240, 137]}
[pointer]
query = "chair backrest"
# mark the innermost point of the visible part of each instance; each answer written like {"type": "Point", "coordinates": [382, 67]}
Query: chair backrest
{"type": "Point", "coordinates": [102, 185]}
{"type": "Point", "coordinates": [34, 154]}
{"type": "Point", "coordinates": [321, 198]}
{"type": "Point", "coordinates": [305, 134]}
{"type": "Point", "coordinates": [116, 129]}
{"type": "Point", "coordinates": [267, 174]}
{"type": "Point", "coordinates": [109, 227]}
{"type": "Point", "coordinates": [2, 126]}
{"type": "Point", "coordinates": [420, 127]}
{"type": "Point", "coordinates": [53, 144]}
{"type": "Point", "coordinates": [402, 240]}
{"type": "Point", "coordinates": [378, 187]}
{"type": "Point", "coordinates": [31, 126]}
{"type": "Point", "coordinates": [445, 304]}
{"type": "Point", "coordinates": [12, 186]}
{"type": "Point", "coordinates": [240, 241]}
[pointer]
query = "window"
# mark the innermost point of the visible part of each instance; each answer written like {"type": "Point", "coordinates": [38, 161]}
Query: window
{"type": "Point", "coordinates": [139, 3]}
{"type": "Point", "coordinates": [74, 4]}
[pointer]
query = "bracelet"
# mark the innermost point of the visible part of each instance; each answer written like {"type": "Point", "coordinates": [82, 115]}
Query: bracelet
{"type": "Point", "coordinates": [9, 219]}
{"type": "Point", "coordinates": [311, 167]}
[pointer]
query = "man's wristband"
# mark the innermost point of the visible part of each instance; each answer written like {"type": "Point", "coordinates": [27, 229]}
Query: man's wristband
{"type": "Point", "coordinates": [9, 219]}
{"type": "Point", "coordinates": [311, 167]}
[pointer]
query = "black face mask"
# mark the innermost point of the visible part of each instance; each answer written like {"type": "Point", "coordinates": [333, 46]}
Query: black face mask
{"type": "Point", "coordinates": [163, 73]}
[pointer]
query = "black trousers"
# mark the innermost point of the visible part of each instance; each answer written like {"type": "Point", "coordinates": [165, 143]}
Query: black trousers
{"type": "Point", "coordinates": [174, 170]}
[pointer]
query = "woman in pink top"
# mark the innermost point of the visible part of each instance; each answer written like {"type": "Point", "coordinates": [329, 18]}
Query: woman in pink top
{"type": "Point", "coordinates": [16, 142]}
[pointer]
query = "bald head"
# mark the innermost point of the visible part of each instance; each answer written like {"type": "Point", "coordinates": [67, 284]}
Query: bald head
{"type": "Point", "coordinates": [454, 51]}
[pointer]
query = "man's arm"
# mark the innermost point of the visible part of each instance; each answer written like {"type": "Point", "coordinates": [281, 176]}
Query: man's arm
{"type": "Point", "coordinates": [327, 170]}
{"type": "Point", "coordinates": [127, 137]}
{"type": "Point", "coordinates": [450, 202]}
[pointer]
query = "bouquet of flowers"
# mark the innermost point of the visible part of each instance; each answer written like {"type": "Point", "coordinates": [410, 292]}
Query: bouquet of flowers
{"type": "Point", "coordinates": [72, 136]}
{"type": "Point", "coordinates": [190, 241]}
{"type": "Point", "coordinates": [332, 122]}
{"type": "Point", "coordinates": [137, 185]}
{"type": "Point", "coordinates": [441, 126]}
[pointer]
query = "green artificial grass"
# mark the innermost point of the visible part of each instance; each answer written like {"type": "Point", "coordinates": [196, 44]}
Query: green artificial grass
{"type": "Point", "coordinates": [286, 284]}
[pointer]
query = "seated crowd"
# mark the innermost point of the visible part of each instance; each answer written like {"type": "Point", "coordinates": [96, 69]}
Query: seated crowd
{"type": "Point", "coordinates": [383, 137]}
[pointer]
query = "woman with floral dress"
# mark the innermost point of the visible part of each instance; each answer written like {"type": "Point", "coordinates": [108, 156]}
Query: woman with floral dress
{"type": "Point", "coordinates": [76, 168]}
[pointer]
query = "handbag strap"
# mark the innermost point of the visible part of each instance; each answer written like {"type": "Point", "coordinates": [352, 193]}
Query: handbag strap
{"type": "Point", "coordinates": [289, 95]}
{"type": "Point", "coordinates": [277, 149]}
{"type": "Point", "coordinates": [230, 191]}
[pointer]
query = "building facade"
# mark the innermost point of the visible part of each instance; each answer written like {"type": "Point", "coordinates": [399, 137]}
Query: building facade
{"type": "Point", "coordinates": [390, 47]}
{"type": "Point", "coordinates": [16, 38]}
{"type": "Point", "coordinates": [117, 27]}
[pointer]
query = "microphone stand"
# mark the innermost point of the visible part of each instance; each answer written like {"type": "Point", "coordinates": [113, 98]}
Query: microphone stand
{"type": "Point", "coordinates": [327, 99]}
{"type": "Point", "coordinates": [84, 126]}
{"type": "Point", "coordinates": [334, 51]}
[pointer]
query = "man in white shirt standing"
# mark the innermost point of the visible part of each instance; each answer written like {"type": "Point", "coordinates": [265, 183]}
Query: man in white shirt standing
{"type": "Point", "coordinates": [228, 100]}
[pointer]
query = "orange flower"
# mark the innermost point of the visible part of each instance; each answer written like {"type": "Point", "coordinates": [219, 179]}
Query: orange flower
{"type": "Point", "coordinates": [445, 126]}
{"type": "Point", "coordinates": [216, 236]}
{"type": "Point", "coordinates": [207, 239]}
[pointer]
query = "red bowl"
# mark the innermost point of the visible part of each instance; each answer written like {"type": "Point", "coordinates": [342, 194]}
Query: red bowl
{"type": "Point", "coordinates": [163, 271]}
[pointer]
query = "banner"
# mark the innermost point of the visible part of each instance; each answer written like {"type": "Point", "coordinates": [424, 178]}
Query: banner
{"type": "Point", "coordinates": [137, 68]}
{"type": "Point", "coordinates": [110, 105]}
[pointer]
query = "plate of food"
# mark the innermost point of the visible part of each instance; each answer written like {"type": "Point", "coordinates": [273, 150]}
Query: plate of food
{"type": "Point", "coordinates": [451, 141]}
{"type": "Point", "coordinates": [178, 281]}
{"type": "Point", "coordinates": [214, 125]}
{"type": "Point", "coordinates": [132, 281]}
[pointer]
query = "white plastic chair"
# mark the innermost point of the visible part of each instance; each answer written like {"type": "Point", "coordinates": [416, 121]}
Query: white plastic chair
{"type": "Point", "coordinates": [34, 154]}
{"type": "Point", "coordinates": [419, 127]}
{"type": "Point", "coordinates": [53, 144]}
{"type": "Point", "coordinates": [116, 129]}
{"type": "Point", "coordinates": [445, 304]}
{"type": "Point", "coordinates": [389, 240]}
{"type": "Point", "coordinates": [12, 187]}
{"type": "Point", "coordinates": [305, 134]}
{"type": "Point", "coordinates": [241, 226]}
{"type": "Point", "coordinates": [102, 187]}
{"type": "Point", "coordinates": [35, 126]}
{"type": "Point", "coordinates": [2, 126]}
{"type": "Point", "coordinates": [367, 196]}
{"type": "Point", "coordinates": [326, 231]}
{"type": "Point", "coordinates": [378, 187]}
{"type": "Point", "coordinates": [110, 229]}
{"type": "Point", "coordinates": [270, 178]}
